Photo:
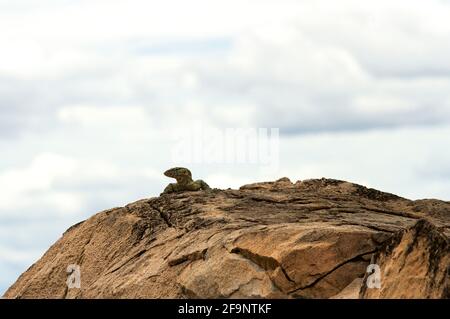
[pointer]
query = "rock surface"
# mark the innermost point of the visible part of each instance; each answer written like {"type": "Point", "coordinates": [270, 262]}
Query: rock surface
{"type": "Point", "coordinates": [413, 263]}
{"type": "Point", "coordinates": [309, 239]}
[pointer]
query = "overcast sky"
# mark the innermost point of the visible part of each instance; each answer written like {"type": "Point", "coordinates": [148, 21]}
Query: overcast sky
{"type": "Point", "coordinates": [91, 92]}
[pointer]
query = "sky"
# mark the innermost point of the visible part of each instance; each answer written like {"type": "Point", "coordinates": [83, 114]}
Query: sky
{"type": "Point", "coordinates": [98, 98]}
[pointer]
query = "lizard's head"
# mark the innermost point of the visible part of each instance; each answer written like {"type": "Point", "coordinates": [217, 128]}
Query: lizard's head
{"type": "Point", "coordinates": [181, 174]}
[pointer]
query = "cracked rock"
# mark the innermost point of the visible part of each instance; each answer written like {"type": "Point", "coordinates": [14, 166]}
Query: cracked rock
{"type": "Point", "coordinates": [281, 239]}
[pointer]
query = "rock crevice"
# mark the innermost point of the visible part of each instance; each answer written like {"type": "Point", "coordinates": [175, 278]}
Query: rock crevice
{"type": "Point", "coordinates": [309, 239]}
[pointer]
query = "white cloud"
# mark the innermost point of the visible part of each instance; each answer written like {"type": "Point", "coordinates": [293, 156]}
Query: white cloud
{"type": "Point", "coordinates": [325, 76]}
{"type": "Point", "coordinates": [15, 256]}
{"type": "Point", "coordinates": [38, 176]}
{"type": "Point", "coordinates": [22, 188]}
{"type": "Point", "coordinates": [399, 161]}
{"type": "Point", "coordinates": [94, 115]}
{"type": "Point", "coordinates": [226, 180]}
{"type": "Point", "coordinates": [303, 66]}
{"type": "Point", "coordinates": [91, 92]}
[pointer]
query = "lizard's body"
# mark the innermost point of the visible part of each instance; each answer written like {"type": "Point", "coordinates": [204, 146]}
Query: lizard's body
{"type": "Point", "coordinates": [184, 181]}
